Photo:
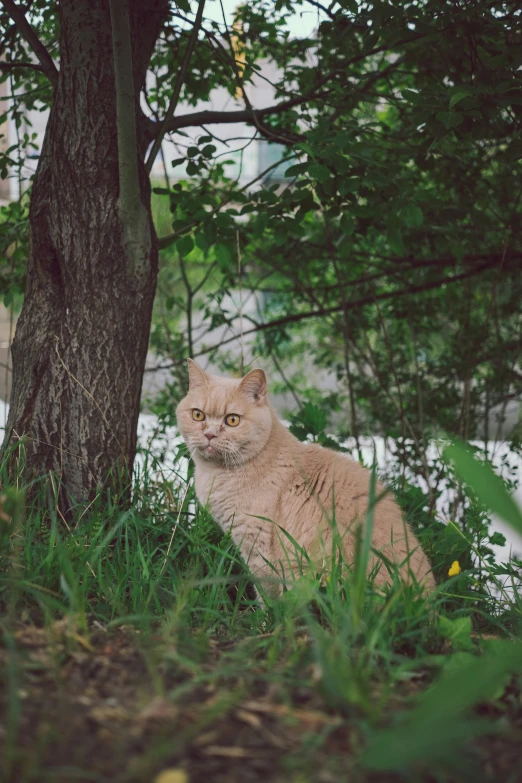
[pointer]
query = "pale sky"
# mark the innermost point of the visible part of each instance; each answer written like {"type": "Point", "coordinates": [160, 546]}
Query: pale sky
{"type": "Point", "coordinates": [301, 24]}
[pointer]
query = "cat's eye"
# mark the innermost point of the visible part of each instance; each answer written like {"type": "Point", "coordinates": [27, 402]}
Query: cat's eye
{"type": "Point", "coordinates": [198, 415]}
{"type": "Point", "coordinates": [232, 419]}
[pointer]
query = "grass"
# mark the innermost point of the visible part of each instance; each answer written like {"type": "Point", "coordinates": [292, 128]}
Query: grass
{"type": "Point", "coordinates": [133, 644]}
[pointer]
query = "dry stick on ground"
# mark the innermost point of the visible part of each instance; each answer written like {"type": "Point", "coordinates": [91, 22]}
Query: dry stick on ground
{"type": "Point", "coordinates": [177, 87]}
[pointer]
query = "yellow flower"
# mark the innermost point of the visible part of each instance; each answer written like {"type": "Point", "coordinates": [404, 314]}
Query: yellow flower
{"type": "Point", "coordinates": [455, 568]}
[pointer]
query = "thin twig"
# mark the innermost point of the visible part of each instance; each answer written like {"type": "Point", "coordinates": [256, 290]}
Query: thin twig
{"type": "Point", "coordinates": [175, 528]}
{"type": "Point", "coordinates": [297, 317]}
{"type": "Point", "coordinates": [242, 344]}
{"type": "Point", "coordinates": [177, 87]}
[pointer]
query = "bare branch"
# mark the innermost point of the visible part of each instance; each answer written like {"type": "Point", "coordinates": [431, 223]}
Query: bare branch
{"type": "Point", "coordinates": [371, 299]}
{"type": "Point", "coordinates": [27, 32]}
{"type": "Point", "coordinates": [323, 8]}
{"type": "Point", "coordinates": [198, 118]}
{"type": "Point", "coordinates": [7, 67]}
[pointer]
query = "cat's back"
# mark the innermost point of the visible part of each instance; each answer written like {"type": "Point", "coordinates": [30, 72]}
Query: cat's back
{"type": "Point", "coordinates": [331, 485]}
{"type": "Point", "coordinates": [327, 469]}
{"type": "Point", "coordinates": [329, 482]}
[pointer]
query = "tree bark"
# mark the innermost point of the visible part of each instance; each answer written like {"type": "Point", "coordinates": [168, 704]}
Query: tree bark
{"type": "Point", "coordinates": [81, 340]}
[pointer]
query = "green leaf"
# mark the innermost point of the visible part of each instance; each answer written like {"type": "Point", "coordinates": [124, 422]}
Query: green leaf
{"type": "Point", "coordinates": [177, 162]}
{"type": "Point", "coordinates": [302, 145]}
{"type": "Point", "coordinates": [394, 236]}
{"type": "Point", "coordinates": [184, 245]}
{"type": "Point", "coordinates": [514, 150]}
{"type": "Point", "coordinates": [349, 185]}
{"type": "Point", "coordinates": [319, 172]}
{"type": "Point", "coordinates": [497, 539]}
{"type": "Point", "coordinates": [201, 241]}
{"type": "Point", "coordinates": [295, 170]}
{"type": "Point", "coordinates": [451, 119]}
{"type": "Point", "coordinates": [487, 486]}
{"type": "Point", "coordinates": [458, 96]}
{"type": "Point", "coordinates": [208, 150]}
{"type": "Point", "coordinates": [411, 95]}
{"type": "Point", "coordinates": [412, 215]}
{"type": "Point", "coordinates": [347, 224]}
{"type": "Point", "coordinates": [223, 256]}
{"type": "Point", "coordinates": [442, 724]}
{"type": "Point", "coordinates": [457, 631]}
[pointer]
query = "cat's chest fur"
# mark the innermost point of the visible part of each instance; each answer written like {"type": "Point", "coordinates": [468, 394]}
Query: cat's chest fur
{"type": "Point", "coordinates": [230, 495]}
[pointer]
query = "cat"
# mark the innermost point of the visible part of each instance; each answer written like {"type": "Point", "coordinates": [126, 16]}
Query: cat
{"type": "Point", "coordinates": [258, 479]}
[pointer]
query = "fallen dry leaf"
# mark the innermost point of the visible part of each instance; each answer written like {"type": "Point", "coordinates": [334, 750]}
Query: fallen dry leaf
{"type": "Point", "coordinates": [229, 753]}
{"type": "Point", "coordinates": [159, 710]}
{"type": "Point", "coordinates": [172, 776]}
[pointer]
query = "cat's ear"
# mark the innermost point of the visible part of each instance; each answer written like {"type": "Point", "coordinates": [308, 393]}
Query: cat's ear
{"type": "Point", "coordinates": [197, 376]}
{"type": "Point", "coordinates": [253, 386]}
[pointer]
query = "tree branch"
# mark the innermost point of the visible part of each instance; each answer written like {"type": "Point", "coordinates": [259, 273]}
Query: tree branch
{"type": "Point", "coordinates": [354, 305]}
{"type": "Point", "coordinates": [7, 67]}
{"type": "Point", "coordinates": [198, 118]}
{"type": "Point", "coordinates": [164, 127]}
{"type": "Point", "coordinates": [26, 31]}
{"type": "Point", "coordinates": [133, 215]}
{"type": "Point", "coordinates": [323, 8]}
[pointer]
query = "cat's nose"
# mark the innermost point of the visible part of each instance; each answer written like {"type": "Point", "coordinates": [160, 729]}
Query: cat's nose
{"type": "Point", "coordinates": [209, 435]}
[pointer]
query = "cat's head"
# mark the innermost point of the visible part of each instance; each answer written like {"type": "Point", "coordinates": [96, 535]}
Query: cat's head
{"type": "Point", "coordinates": [223, 419]}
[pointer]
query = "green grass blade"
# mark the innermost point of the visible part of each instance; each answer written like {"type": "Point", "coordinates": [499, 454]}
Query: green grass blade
{"type": "Point", "coordinates": [484, 482]}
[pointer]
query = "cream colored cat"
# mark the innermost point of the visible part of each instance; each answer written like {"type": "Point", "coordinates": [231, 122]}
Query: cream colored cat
{"type": "Point", "coordinates": [257, 478]}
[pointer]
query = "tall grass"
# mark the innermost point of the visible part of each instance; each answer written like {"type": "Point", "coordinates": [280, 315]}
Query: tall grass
{"type": "Point", "coordinates": [164, 568]}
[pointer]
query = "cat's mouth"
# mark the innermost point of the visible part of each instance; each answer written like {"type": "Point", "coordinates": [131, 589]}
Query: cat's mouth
{"type": "Point", "coordinates": [209, 450]}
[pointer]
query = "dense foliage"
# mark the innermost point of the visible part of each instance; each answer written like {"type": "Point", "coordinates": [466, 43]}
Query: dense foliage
{"type": "Point", "coordinates": [389, 251]}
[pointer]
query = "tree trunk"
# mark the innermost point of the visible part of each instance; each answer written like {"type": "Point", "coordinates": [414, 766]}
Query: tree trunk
{"type": "Point", "coordinates": [81, 340]}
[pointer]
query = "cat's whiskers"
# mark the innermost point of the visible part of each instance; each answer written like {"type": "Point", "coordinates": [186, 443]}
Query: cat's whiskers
{"type": "Point", "coordinates": [234, 453]}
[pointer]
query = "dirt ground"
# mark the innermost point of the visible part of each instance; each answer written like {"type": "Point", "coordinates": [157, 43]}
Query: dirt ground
{"type": "Point", "coordinates": [115, 708]}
